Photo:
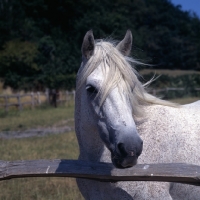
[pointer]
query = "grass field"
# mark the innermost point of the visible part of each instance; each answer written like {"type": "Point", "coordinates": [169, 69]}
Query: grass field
{"type": "Point", "coordinates": [187, 100]}
{"type": "Point", "coordinates": [43, 116]}
{"type": "Point", "coordinates": [49, 147]}
{"type": "Point", "coordinates": [63, 146]}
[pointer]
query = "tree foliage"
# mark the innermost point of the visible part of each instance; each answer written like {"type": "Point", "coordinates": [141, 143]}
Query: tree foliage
{"type": "Point", "coordinates": [40, 40]}
{"type": "Point", "coordinates": [17, 61]}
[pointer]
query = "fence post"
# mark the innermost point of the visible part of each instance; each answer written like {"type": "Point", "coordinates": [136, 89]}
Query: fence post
{"type": "Point", "coordinates": [38, 98]}
{"type": "Point", "coordinates": [6, 103]}
{"type": "Point", "coordinates": [47, 96]}
{"type": "Point", "coordinates": [32, 100]}
{"type": "Point", "coordinates": [19, 102]}
{"type": "Point", "coordinates": [66, 98]}
{"type": "Point", "coordinates": [74, 93]}
{"type": "Point", "coordinates": [66, 93]}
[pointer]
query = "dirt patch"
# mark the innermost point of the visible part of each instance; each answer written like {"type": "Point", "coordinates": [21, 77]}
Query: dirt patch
{"type": "Point", "coordinates": [61, 127]}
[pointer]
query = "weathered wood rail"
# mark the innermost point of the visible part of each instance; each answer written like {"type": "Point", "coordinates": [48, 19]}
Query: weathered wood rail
{"type": "Point", "coordinates": [106, 172]}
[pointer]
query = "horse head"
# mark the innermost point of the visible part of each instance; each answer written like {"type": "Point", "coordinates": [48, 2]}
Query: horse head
{"type": "Point", "coordinates": [107, 82]}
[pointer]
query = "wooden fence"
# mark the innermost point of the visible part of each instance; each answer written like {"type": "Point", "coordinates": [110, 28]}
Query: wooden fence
{"type": "Point", "coordinates": [35, 99]}
{"type": "Point", "coordinates": [166, 90]}
{"type": "Point", "coordinates": [106, 172]}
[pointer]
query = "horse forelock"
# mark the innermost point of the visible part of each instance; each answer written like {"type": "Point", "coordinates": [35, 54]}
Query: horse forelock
{"type": "Point", "coordinates": [121, 74]}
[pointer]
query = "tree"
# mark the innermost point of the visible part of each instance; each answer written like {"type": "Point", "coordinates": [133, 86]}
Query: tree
{"type": "Point", "coordinates": [18, 66]}
{"type": "Point", "coordinates": [50, 33]}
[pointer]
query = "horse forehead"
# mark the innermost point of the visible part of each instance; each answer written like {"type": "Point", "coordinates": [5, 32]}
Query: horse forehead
{"type": "Point", "coordinates": [97, 76]}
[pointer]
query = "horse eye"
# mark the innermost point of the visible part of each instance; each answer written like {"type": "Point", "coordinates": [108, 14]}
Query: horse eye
{"type": "Point", "coordinates": [132, 89]}
{"type": "Point", "coordinates": [91, 89]}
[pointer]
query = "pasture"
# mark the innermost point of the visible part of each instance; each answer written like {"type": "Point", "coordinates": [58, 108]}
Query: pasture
{"type": "Point", "coordinates": [53, 146]}
{"type": "Point", "coordinates": [47, 147]}
{"type": "Point", "coordinates": [43, 116]}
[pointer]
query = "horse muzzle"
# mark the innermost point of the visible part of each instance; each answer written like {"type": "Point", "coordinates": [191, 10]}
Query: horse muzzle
{"type": "Point", "coordinates": [125, 160]}
{"type": "Point", "coordinates": [126, 154]}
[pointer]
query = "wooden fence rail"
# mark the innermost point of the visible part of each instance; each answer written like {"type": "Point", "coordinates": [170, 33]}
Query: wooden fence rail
{"type": "Point", "coordinates": [167, 89]}
{"type": "Point", "coordinates": [106, 172]}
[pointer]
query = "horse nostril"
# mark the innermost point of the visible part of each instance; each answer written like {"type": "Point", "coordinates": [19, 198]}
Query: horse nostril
{"type": "Point", "coordinates": [121, 149]}
{"type": "Point", "coordinates": [138, 153]}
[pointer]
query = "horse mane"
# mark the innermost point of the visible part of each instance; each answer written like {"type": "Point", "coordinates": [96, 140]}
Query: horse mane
{"type": "Point", "coordinates": [121, 74]}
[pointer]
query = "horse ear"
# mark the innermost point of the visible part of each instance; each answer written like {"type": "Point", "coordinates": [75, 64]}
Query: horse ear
{"type": "Point", "coordinates": [88, 45]}
{"type": "Point", "coordinates": [126, 44]}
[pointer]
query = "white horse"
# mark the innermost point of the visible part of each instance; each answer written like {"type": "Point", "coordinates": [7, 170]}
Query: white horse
{"type": "Point", "coordinates": [117, 121]}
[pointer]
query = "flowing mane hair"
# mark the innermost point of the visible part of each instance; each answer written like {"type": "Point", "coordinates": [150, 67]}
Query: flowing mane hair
{"type": "Point", "coordinates": [121, 74]}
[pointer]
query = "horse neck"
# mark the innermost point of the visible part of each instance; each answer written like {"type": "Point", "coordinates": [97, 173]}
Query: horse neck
{"type": "Point", "coordinates": [156, 117]}
{"type": "Point", "coordinates": [90, 144]}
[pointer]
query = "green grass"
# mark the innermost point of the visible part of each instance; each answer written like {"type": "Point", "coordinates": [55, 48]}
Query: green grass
{"type": "Point", "coordinates": [42, 116]}
{"type": "Point", "coordinates": [62, 146]}
{"type": "Point", "coordinates": [47, 147]}
{"type": "Point", "coordinates": [185, 100]}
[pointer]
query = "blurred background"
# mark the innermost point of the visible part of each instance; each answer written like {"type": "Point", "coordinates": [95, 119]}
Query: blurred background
{"type": "Point", "coordinates": [40, 42]}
